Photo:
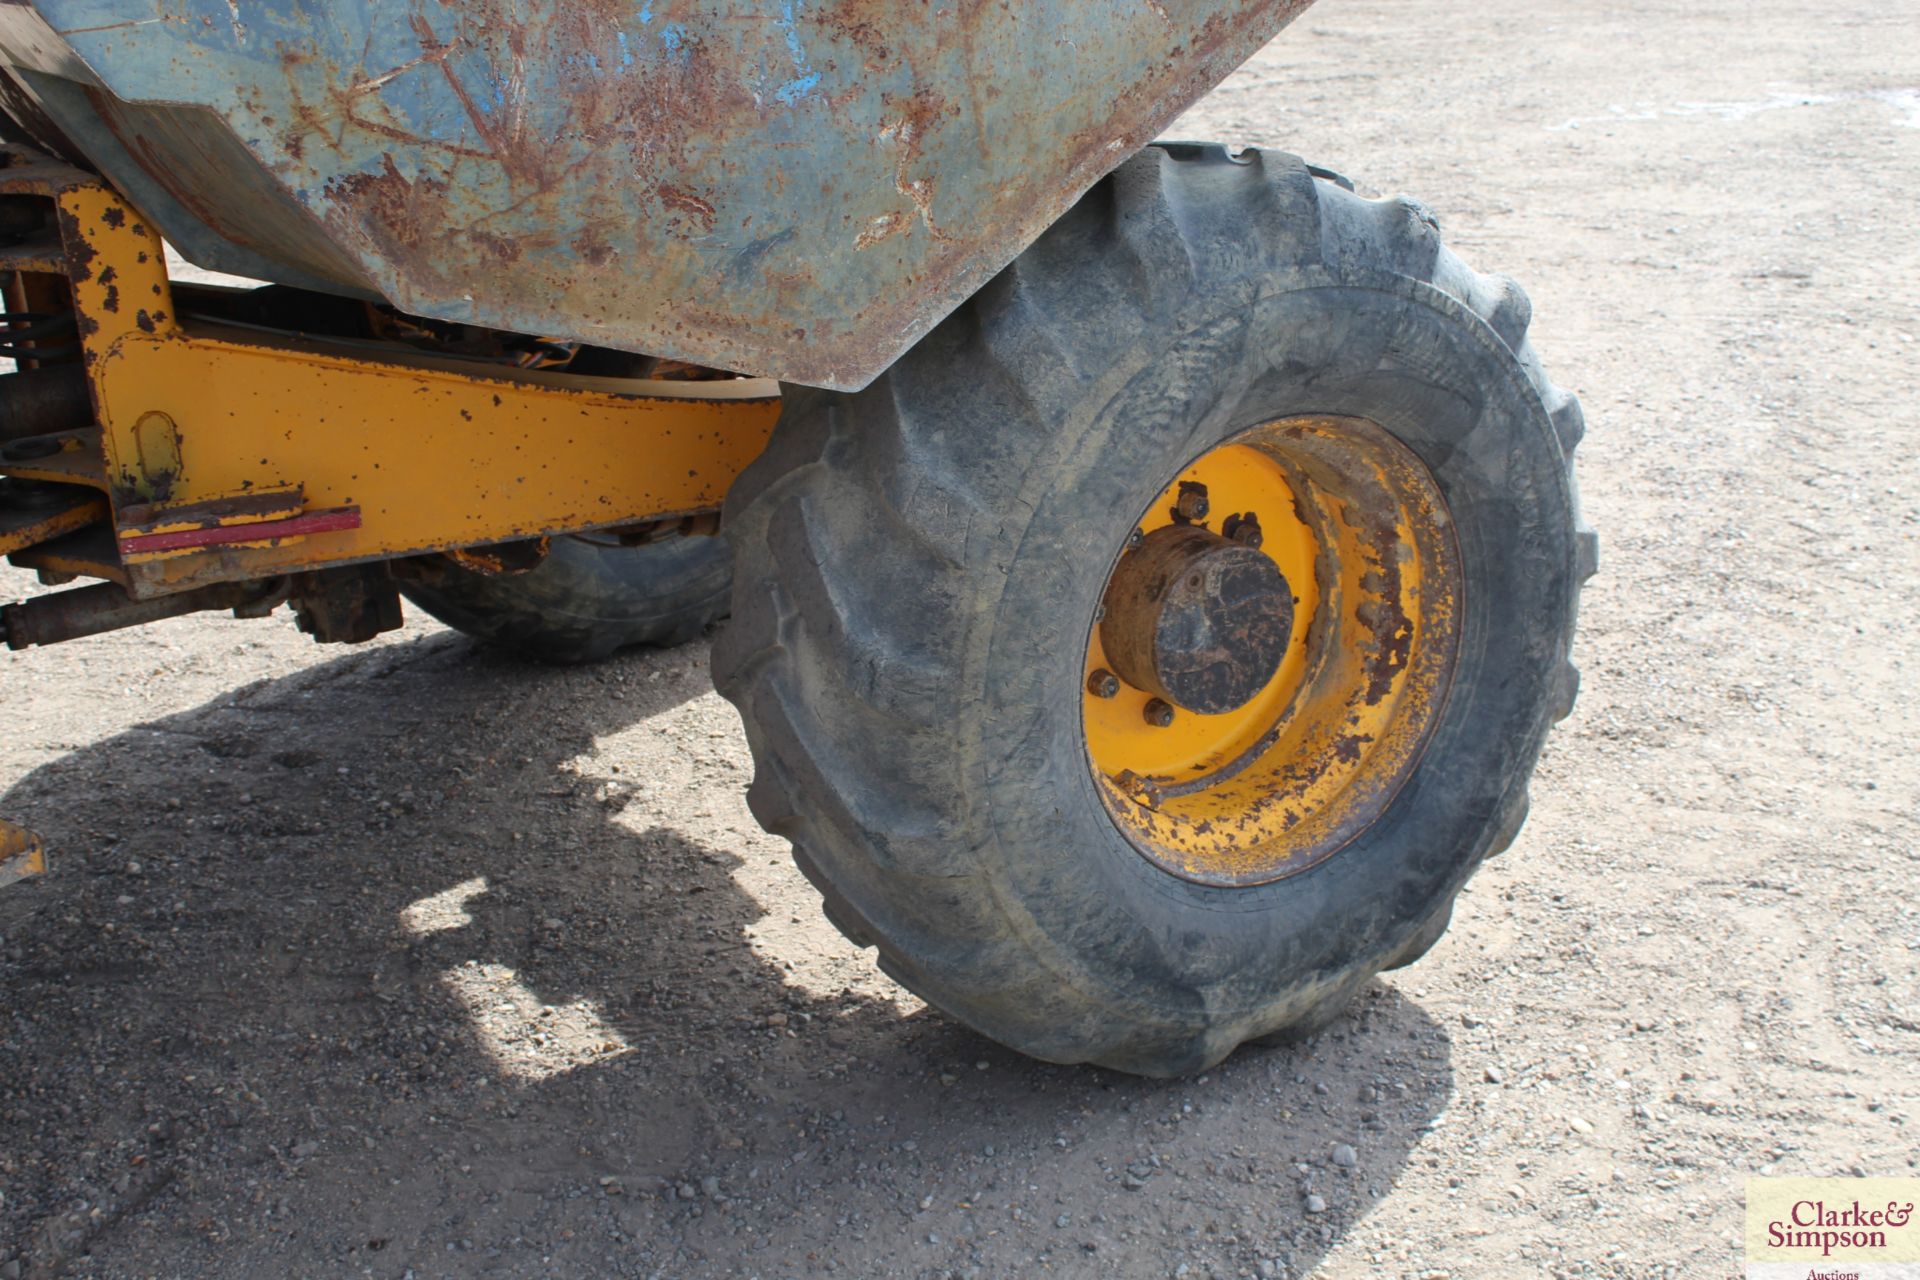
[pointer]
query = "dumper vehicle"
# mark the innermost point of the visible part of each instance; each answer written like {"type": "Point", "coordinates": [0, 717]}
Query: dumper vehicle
{"type": "Point", "coordinates": [1152, 566]}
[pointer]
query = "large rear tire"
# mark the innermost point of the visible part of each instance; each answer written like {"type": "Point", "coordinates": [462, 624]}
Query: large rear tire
{"type": "Point", "coordinates": [923, 577]}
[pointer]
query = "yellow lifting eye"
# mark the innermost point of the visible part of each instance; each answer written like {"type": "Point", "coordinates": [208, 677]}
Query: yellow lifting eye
{"type": "Point", "coordinates": [1273, 649]}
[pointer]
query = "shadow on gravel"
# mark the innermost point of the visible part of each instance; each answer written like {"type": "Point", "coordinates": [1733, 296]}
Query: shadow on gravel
{"type": "Point", "coordinates": [356, 971]}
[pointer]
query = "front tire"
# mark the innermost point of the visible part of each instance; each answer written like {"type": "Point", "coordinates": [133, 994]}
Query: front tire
{"type": "Point", "coordinates": [921, 569]}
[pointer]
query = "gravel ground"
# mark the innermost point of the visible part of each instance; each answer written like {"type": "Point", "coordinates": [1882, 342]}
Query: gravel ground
{"type": "Point", "coordinates": [411, 960]}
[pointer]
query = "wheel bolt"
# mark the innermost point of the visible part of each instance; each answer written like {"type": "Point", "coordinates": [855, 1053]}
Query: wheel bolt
{"type": "Point", "coordinates": [1159, 713]}
{"type": "Point", "coordinates": [1103, 683]}
{"type": "Point", "coordinates": [1244, 530]}
{"type": "Point", "coordinates": [1192, 504]}
{"type": "Point", "coordinates": [1134, 540]}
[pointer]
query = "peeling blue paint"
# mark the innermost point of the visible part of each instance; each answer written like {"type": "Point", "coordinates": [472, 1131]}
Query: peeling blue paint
{"type": "Point", "coordinates": [792, 91]}
{"type": "Point", "coordinates": [789, 24]}
{"type": "Point", "coordinates": [626, 53]}
{"type": "Point", "coordinates": [804, 78]}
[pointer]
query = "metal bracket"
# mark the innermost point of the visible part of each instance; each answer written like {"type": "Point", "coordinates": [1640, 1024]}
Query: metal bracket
{"type": "Point", "coordinates": [23, 854]}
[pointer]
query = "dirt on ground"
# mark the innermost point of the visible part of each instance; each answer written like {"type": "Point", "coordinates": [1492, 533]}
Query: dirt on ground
{"type": "Point", "coordinates": [414, 960]}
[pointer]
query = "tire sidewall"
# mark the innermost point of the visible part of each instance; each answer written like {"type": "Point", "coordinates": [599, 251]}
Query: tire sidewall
{"type": "Point", "coordinates": [1132, 937]}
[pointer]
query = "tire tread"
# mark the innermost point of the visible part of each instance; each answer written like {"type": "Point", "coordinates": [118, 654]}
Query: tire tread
{"type": "Point", "coordinates": [949, 423]}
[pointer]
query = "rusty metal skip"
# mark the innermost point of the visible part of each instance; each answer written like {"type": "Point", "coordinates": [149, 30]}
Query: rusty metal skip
{"type": "Point", "coordinates": [798, 189]}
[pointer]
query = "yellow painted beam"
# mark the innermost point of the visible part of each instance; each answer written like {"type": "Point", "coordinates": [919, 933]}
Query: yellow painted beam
{"type": "Point", "coordinates": [430, 458]}
{"type": "Point", "coordinates": [390, 452]}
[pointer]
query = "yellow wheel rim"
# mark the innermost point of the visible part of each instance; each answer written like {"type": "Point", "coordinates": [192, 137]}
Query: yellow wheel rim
{"type": "Point", "coordinates": [1317, 750]}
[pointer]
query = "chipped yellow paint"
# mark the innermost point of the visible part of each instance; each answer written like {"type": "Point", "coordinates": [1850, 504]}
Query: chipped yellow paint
{"type": "Point", "coordinates": [1239, 479]}
{"type": "Point", "coordinates": [433, 458]}
{"type": "Point", "coordinates": [278, 502]}
{"type": "Point", "coordinates": [264, 505]}
{"type": "Point", "coordinates": [1359, 528]}
{"type": "Point", "coordinates": [22, 854]}
{"type": "Point", "coordinates": [25, 528]}
{"type": "Point", "coordinates": [434, 452]}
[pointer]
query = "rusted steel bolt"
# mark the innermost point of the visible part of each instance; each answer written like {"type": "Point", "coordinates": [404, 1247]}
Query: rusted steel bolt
{"type": "Point", "coordinates": [1159, 713]}
{"type": "Point", "coordinates": [1103, 683]}
{"type": "Point", "coordinates": [1192, 504]}
{"type": "Point", "coordinates": [1244, 530]}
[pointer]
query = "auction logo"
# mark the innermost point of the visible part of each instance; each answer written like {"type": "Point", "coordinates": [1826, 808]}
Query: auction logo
{"type": "Point", "coordinates": [1833, 1229]}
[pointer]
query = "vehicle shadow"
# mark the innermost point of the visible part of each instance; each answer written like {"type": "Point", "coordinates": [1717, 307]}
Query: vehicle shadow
{"type": "Point", "coordinates": [421, 961]}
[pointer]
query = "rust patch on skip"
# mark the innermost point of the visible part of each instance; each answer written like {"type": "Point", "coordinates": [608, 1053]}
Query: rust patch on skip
{"type": "Point", "coordinates": [911, 120]}
{"type": "Point", "coordinates": [502, 250]}
{"type": "Point", "coordinates": [404, 211]}
{"type": "Point", "coordinates": [693, 206]}
{"type": "Point", "coordinates": [881, 228]}
{"type": "Point", "coordinates": [864, 24]}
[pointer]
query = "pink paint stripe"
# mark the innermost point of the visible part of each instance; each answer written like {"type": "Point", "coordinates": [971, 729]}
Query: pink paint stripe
{"type": "Point", "coordinates": [293, 526]}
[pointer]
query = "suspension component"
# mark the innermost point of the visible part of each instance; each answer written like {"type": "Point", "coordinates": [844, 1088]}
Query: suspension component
{"type": "Point", "coordinates": [37, 402]}
{"type": "Point", "coordinates": [105, 606]}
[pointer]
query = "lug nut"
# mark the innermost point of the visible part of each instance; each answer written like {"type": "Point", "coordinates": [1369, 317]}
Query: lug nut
{"type": "Point", "coordinates": [1103, 683]}
{"type": "Point", "coordinates": [1244, 530]}
{"type": "Point", "coordinates": [1159, 713]}
{"type": "Point", "coordinates": [1192, 504]}
{"type": "Point", "coordinates": [1134, 540]}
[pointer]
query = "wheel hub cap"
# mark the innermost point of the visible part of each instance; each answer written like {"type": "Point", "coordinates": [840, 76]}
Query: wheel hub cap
{"type": "Point", "coordinates": [1197, 619]}
{"type": "Point", "coordinates": [1276, 645]}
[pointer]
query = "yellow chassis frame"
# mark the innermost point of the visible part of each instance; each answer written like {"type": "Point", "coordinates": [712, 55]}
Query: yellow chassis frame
{"type": "Point", "coordinates": [222, 454]}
